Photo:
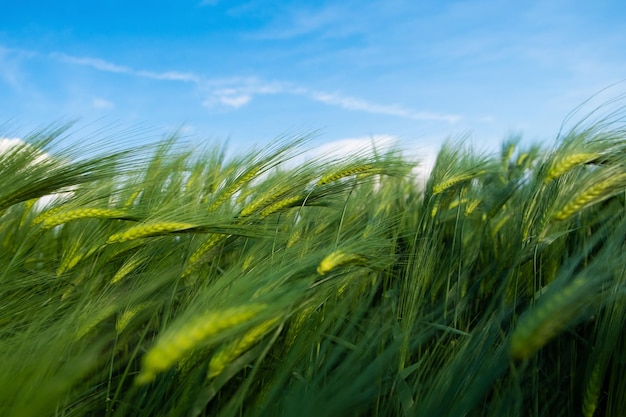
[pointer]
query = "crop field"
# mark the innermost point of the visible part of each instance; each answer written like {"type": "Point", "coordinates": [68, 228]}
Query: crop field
{"type": "Point", "coordinates": [168, 281]}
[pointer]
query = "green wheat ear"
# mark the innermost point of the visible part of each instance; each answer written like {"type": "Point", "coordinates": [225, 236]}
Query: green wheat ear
{"type": "Point", "coordinates": [231, 351]}
{"type": "Point", "coordinates": [51, 220]}
{"type": "Point", "coordinates": [565, 164]}
{"type": "Point", "coordinates": [337, 259]}
{"type": "Point", "coordinates": [150, 229]}
{"type": "Point", "coordinates": [175, 344]}
{"type": "Point", "coordinates": [554, 312]}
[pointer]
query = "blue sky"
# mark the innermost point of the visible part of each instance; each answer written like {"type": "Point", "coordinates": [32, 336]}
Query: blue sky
{"type": "Point", "coordinates": [248, 71]}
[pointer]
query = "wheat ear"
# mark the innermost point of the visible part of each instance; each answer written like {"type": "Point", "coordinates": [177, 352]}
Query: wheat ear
{"type": "Point", "coordinates": [592, 390]}
{"type": "Point", "coordinates": [562, 165]}
{"type": "Point", "coordinates": [452, 181]}
{"type": "Point", "coordinates": [226, 194]}
{"type": "Point", "coordinates": [281, 205]}
{"type": "Point", "coordinates": [593, 194]}
{"type": "Point", "coordinates": [337, 259]}
{"type": "Point", "coordinates": [150, 229]}
{"type": "Point", "coordinates": [82, 213]}
{"type": "Point", "coordinates": [129, 266]}
{"type": "Point", "coordinates": [334, 176]}
{"type": "Point", "coordinates": [194, 259]}
{"type": "Point", "coordinates": [174, 345]}
{"type": "Point", "coordinates": [264, 199]}
{"type": "Point", "coordinates": [226, 354]}
{"type": "Point", "coordinates": [125, 318]}
{"type": "Point", "coordinates": [541, 323]}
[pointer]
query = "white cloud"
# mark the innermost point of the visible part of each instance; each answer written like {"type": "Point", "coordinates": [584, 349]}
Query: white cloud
{"type": "Point", "coordinates": [96, 63]}
{"type": "Point", "coordinates": [106, 66]}
{"type": "Point", "coordinates": [102, 104]}
{"type": "Point", "coordinates": [170, 76]}
{"type": "Point", "coordinates": [237, 92]}
{"type": "Point", "coordinates": [299, 21]}
{"type": "Point", "coordinates": [11, 71]}
{"type": "Point", "coordinates": [351, 103]}
{"type": "Point", "coordinates": [6, 144]}
{"type": "Point", "coordinates": [351, 146]}
{"type": "Point", "coordinates": [235, 101]}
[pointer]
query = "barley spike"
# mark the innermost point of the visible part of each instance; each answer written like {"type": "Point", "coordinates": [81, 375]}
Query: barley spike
{"type": "Point", "coordinates": [333, 176]}
{"type": "Point", "coordinates": [588, 196]}
{"type": "Point", "coordinates": [82, 213]}
{"type": "Point", "coordinates": [565, 164]}
{"type": "Point", "coordinates": [337, 259]}
{"type": "Point", "coordinates": [226, 354]}
{"type": "Point", "coordinates": [174, 345]}
{"type": "Point", "coordinates": [541, 323]}
{"type": "Point", "coordinates": [149, 229]}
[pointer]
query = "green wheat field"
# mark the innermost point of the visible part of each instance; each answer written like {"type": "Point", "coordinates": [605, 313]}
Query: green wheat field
{"type": "Point", "coordinates": [168, 281]}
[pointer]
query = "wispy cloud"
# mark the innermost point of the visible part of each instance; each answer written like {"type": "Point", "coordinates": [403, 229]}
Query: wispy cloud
{"type": "Point", "coordinates": [237, 92]}
{"type": "Point", "coordinates": [95, 63]}
{"type": "Point", "coordinates": [102, 104]}
{"type": "Point", "coordinates": [351, 103]}
{"type": "Point", "coordinates": [10, 66]}
{"type": "Point", "coordinates": [294, 22]}
{"type": "Point", "coordinates": [208, 3]}
{"type": "Point", "coordinates": [106, 66]}
{"type": "Point", "coordinates": [352, 146]}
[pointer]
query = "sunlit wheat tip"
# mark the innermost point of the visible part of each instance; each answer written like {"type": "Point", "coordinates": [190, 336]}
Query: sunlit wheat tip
{"type": "Point", "coordinates": [337, 259]}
